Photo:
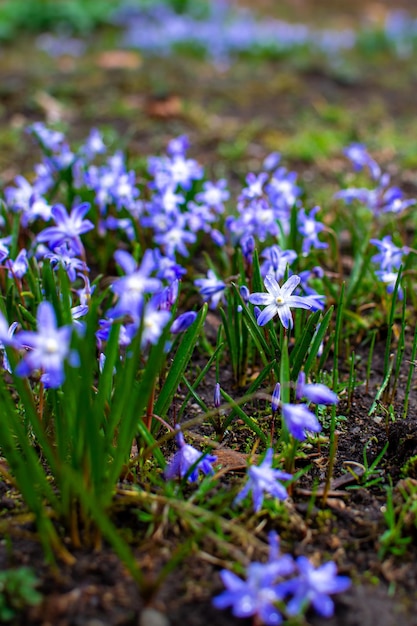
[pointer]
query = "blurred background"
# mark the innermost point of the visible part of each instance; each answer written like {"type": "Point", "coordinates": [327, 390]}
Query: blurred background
{"type": "Point", "coordinates": [241, 79]}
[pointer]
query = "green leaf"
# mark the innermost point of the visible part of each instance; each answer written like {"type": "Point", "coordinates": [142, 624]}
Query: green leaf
{"type": "Point", "coordinates": [249, 421]}
{"type": "Point", "coordinates": [301, 348]}
{"type": "Point", "coordinates": [320, 333]}
{"type": "Point", "coordinates": [179, 364]}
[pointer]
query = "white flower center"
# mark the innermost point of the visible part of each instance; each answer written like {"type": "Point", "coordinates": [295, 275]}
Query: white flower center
{"type": "Point", "coordinates": [309, 227]}
{"type": "Point", "coordinates": [279, 300]}
{"type": "Point", "coordinates": [51, 345]}
{"type": "Point", "coordinates": [135, 283]}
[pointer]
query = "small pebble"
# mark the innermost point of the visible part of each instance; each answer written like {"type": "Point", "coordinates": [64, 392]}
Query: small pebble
{"type": "Point", "coordinates": [152, 617]}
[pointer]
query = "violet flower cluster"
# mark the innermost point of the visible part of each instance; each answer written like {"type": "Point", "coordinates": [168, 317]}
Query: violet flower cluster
{"type": "Point", "coordinates": [225, 30]}
{"type": "Point", "coordinates": [390, 258]}
{"type": "Point", "coordinates": [264, 205]}
{"type": "Point", "coordinates": [144, 297]}
{"type": "Point", "coordinates": [384, 198]}
{"type": "Point", "coordinates": [280, 588]}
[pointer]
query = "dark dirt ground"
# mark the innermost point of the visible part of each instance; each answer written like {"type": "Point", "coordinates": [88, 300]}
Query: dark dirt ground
{"type": "Point", "coordinates": [234, 116]}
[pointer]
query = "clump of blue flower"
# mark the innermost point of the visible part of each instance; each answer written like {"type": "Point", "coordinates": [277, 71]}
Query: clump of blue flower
{"type": "Point", "coordinates": [281, 587]}
{"type": "Point", "coordinates": [384, 198]}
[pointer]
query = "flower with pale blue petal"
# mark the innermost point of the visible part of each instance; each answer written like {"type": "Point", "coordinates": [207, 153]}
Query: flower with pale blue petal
{"type": "Point", "coordinates": [279, 300]}
{"type": "Point", "coordinates": [264, 479]}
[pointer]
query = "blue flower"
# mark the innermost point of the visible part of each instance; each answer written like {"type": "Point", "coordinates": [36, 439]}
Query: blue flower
{"type": "Point", "coordinates": [390, 279]}
{"type": "Point", "coordinates": [279, 300]}
{"type": "Point", "coordinates": [113, 184]}
{"type": "Point", "coordinates": [188, 461]}
{"type": "Point", "coordinates": [176, 170]}
{"type": "Point", "coordinates": [313, 586]}
{"type": "Point", "coordinates": [300, 419]}
{"type": "Point", "coordinates": [381, 199]}
{"type": "Point", "coordinates": [255, 185]}
{"type": "Point", "coordinates": [52, 140]}
{"type": "Point", "coordinates": [390, 256]}
{"type": "Point", "coordinates": [18, 267]}
{"type": "Point", "coordinates": [178, 145]}
{"type": "Point", "coordinates": [6, 339]}
{"type": "Point", "coordinates": [93, 145]}
{"type": "Point", "coordinates": [68, 227]}
{"type": "Point", "coordinates": [217, 398]}
{"type": "Point", "coordinates": [309, 228]}
{"type": "Point", "coordinates": [277, 261]}
{"type": "Point", "coordinates": [6, 332]}
{"type": "Point", "coordinates": [276, 396]}
{"type": "Point", "coordinates": [63, 256]}
{"type": "Point", "coordinates": [176, 238]}
{"type": "Point", "coordinates": [271, 161]}
{"type": "Point", "coordinates": [317, 392]}
{"type": "Point", "coordinates": [132, 288]}
{"type": "Point", "coordinates": [257, 595]}
{"type": "Point", "coordinates": [211, 288]}
{"type": "Point", "coordinates": [154, 322]}
{"type": "Point", "coordinates": [4, 247]}
{"type": "Point", "coordinates": [264, 479]}
{"type": "Point", "coordinates": [360, 158]}
{"type": "Point", "coordinates": [214, 195]}
{"type": "Point", "coordinates": [267, 585]}
{"type": "Point", "coordinates": [26, 199]}
{"type": "Point", "coordinates": [48, 348]}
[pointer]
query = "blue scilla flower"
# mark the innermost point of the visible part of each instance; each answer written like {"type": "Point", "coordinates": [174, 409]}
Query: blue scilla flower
{"type": "Point", "coordinates": [188, 461]}
{"type": "Point", "coordinates": [309, 228]}
{"type": "Point", "coordinates": [63, 256]}
{"type": "Point", "coordinates": [137, 282]}
{"type": "Point", "coordinates": [313, 586]}
{"type": "Point", "coordinates": [6, 339]}
{"type": "Point", "coordinates": [214, 195]}
{"type": "Point", "coordinates": [182, 322]}
{"type": "Point", "coordinates": [279, 300]}
{"type": "Point", "coordinates": [4, 247]}
{"type": "Point", "coordinates": [176, 238]}
{"type": "Point", "coordinates": [258, 594]}
{"type": "Point", "coordinates": [276, 396]}
{"type": "Point", "coordinates": [389, 256]}
{"type": "Point", "coordinates": [68, 227]}
{"type": "Point", "coordinates": [359, 157]}
{"type": "Point", "coordinates": [276, 261]}
{"type": "Point", "coordinates": [26, 199]}
{"type": "Point", "coordinates": [299, 419]}
{"type": "Point", "coordinates": [211, 289]}
{"type": "Point", "coordinates": [52, 140]}
{"type": "Point", "coordinates": [390, 279]}
{"type": "Point", "coordinates": [281, 584]}
{"type": "Point", "coordinates": [48, 348]}
{"type": "Point", "coordinates": [264, 479]}
{"type": "Point", "coordinates": [18, 267]}
{"type": "Point", "coordinates": [314, 392]}
{"type": "Point", "coordinates": [382, 199]}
